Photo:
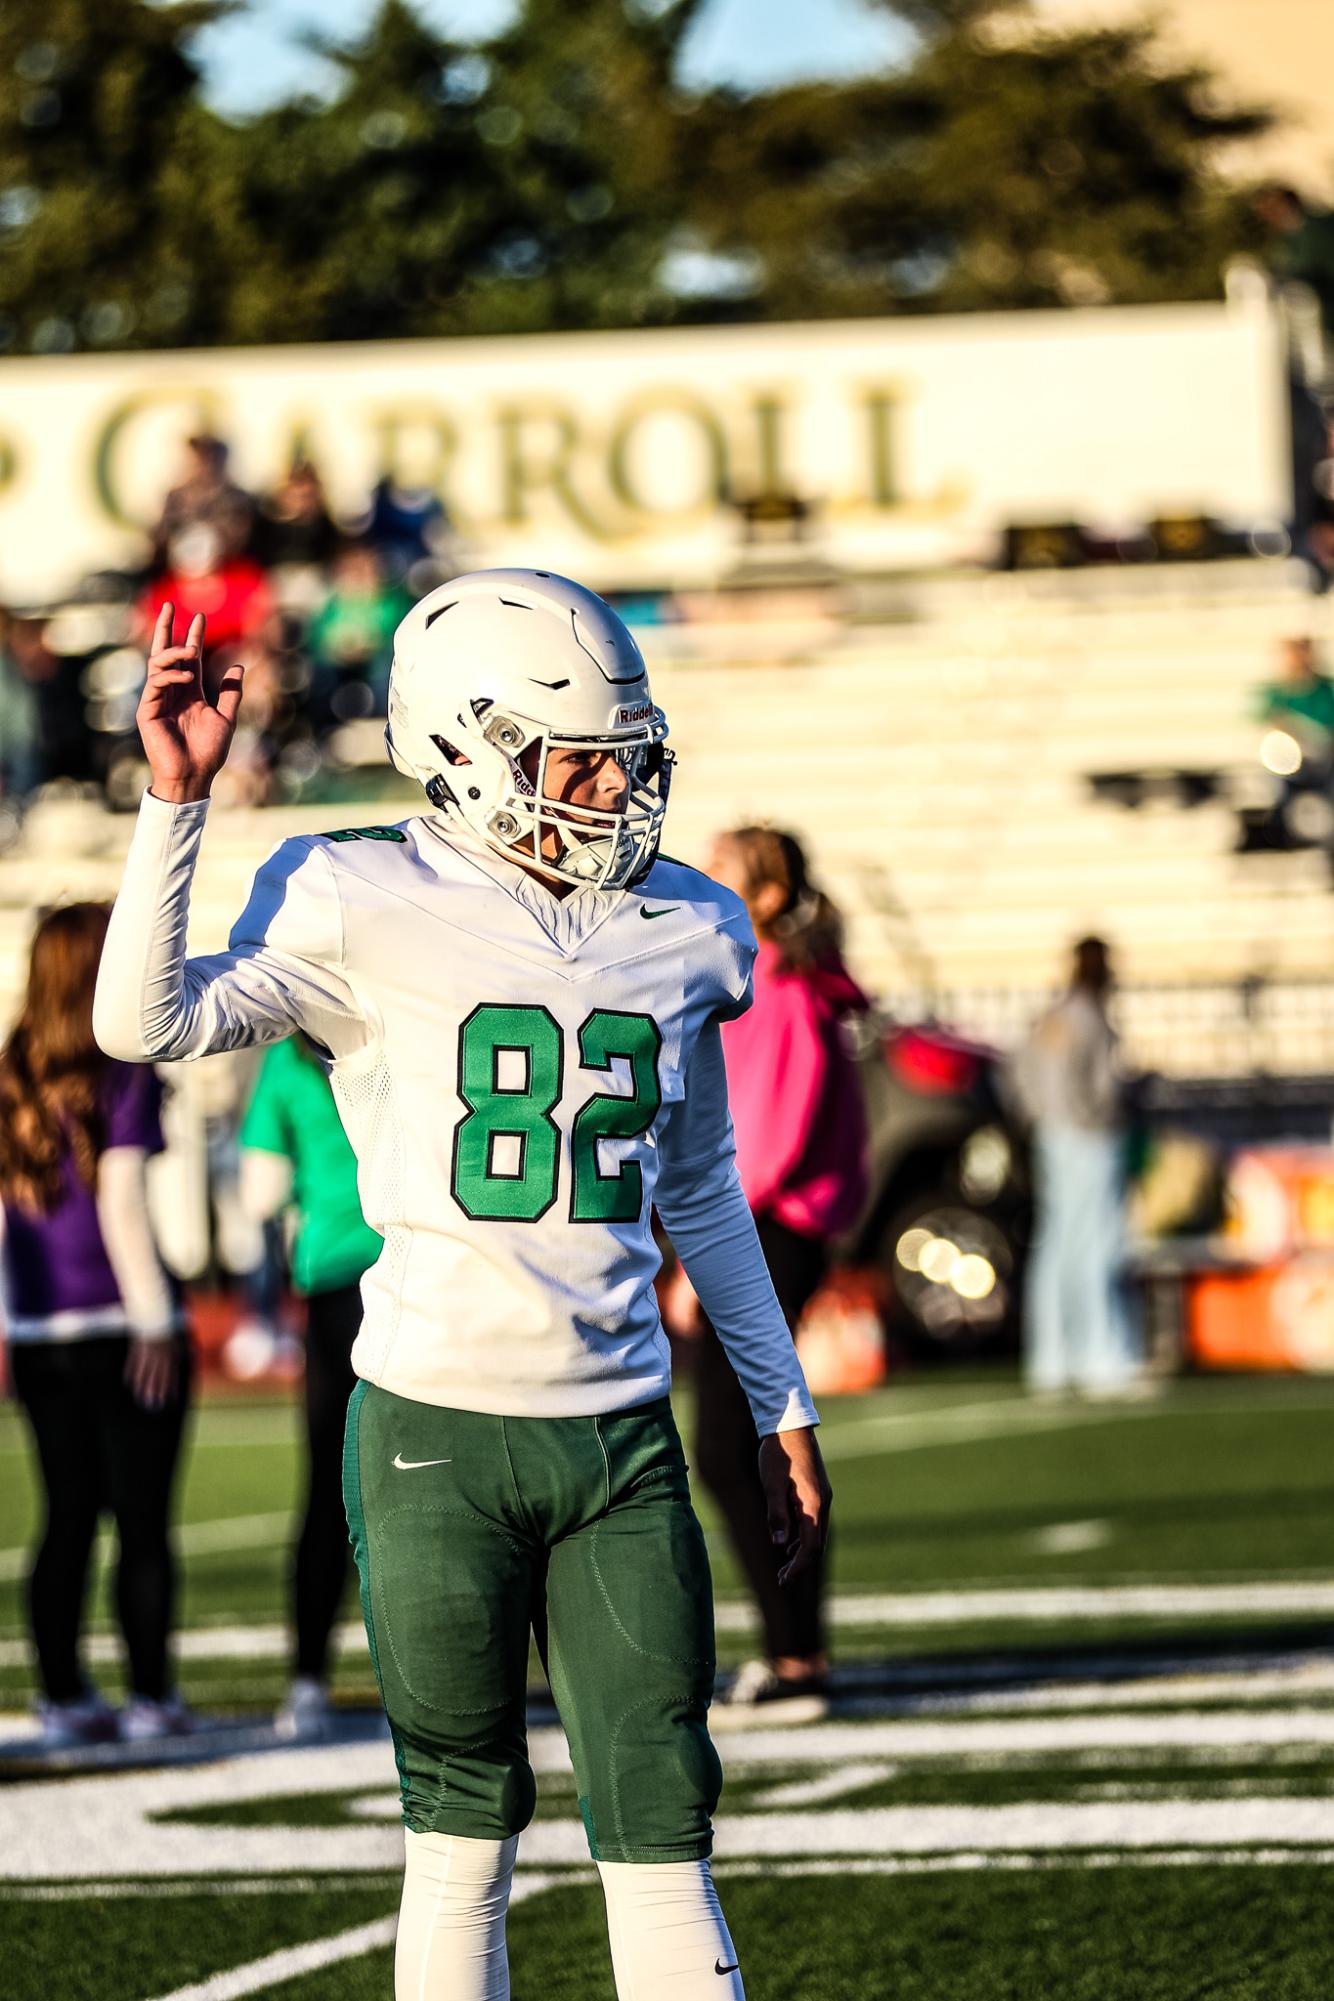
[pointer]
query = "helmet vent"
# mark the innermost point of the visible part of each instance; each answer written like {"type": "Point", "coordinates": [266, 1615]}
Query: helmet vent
{"type": "Point", "coordinates": [515, 605]}
{"type": "Point", "coordinates": [439, 612]}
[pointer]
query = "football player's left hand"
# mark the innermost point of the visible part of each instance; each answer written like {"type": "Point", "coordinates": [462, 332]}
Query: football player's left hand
{"type": "Point", "coordinates": [797, 1495]}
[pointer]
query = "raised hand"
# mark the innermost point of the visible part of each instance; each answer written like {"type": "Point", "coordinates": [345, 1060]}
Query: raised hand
{"type": "Point", "coordinates": [186, 737]}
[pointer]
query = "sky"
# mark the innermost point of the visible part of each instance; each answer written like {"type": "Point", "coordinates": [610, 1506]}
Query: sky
{"type": "Point", "coordinates": [255, 59]}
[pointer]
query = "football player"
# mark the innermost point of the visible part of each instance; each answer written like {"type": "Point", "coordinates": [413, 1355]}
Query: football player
{"type": "Point", "coordinates": [519, 1001]}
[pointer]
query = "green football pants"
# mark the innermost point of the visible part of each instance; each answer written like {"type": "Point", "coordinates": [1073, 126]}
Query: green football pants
{"type": "Point", "coordinates": [472, 1531]}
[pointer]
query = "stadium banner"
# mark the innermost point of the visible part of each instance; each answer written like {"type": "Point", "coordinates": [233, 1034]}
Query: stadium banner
{"type": "Point", "coordinates": [612, 456]}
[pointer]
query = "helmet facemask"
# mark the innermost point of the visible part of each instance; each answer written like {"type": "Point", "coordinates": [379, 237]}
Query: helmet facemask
{"type": "Point", "coordinates": [596, 847]}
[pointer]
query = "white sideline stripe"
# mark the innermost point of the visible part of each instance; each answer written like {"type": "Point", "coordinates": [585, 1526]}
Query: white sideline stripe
{"type": "Point", "coordinates": [194, 1539]}
{"type": "Point", "coordinates": [298, 1959]}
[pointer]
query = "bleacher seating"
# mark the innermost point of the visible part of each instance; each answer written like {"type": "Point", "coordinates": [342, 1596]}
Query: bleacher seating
{"type": "Point", "coordinates": [933, 746]}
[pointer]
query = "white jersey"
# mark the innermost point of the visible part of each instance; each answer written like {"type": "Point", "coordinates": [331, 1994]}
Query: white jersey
{"type": "Point", "coordinates": [522, 1079]}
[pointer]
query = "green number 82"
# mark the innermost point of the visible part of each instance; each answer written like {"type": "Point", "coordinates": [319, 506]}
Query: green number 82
{"type": "Point", "coordinates": [506, 1165]}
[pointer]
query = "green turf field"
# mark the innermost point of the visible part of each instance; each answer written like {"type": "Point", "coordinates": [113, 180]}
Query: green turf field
{"type": "Point", "coordinates": [1083, 1747]}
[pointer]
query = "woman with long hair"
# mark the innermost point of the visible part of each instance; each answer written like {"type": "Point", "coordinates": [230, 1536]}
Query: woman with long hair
{"type": "Point", "coordinates": [801, 1153]}
{"type": "Point", "coordinates": [94, 1353]}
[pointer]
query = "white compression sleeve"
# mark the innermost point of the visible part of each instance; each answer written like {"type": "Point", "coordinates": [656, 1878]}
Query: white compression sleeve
{"type": "Point", "coordinates": [451, 1923]}
{"type": "Point", "coordinates": [669, 1939]}
{"type": "Point", "coordinates": [282, 969]}
{"type": "Point", "coordinates": [700, 1199]}
{"type": "Point", "coordinates": [122, 1217]}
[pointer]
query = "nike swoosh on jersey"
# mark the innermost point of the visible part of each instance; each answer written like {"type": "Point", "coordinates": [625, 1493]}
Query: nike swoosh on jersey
{"type": "Point", "coordinates": [666, 911]}
{"type": "Point", "coordinates": [718, 1966]}
{"type": "Point", "coordinates": [411, 1465]}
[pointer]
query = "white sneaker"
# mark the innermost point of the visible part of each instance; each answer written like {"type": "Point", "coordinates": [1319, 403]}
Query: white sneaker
{"type": "Point", "coordinates": [307, 1713]}
{"type": "Point", "coordinates": [88, 1719]}
{"type": "Point", "coordinates": [143, 1721]}
{"type": "Point", "coordinates": [758, 1695]}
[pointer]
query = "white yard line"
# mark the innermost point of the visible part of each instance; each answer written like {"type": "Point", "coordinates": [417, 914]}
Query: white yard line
{"type": "Point", "coordinates": [1040, 1605]}
{"type": "Point", "coordinates": [226, 1532]}
{"type": "Point", "coordinates": [291, 1961]}
{"type": "Point", "coordinates": [220, 1886]}
{"type": "Point", "coordinates": [1016, 1860]}
{"type": "Point", "coordinates": [961, 1424]}
{"type": "Point", "coordinates": [973, 1423]}
{"type": "Point", "coordinates": [1047, 1603]}
{"type": "Point", "coordinates": [121, 1832]}
{"type": "Point", "coordinates": [832, 1786]}
{"type": "Point", "coordinates": [298, 1959]}
{"type": "Point", "coordinates": [1071, 1538]}
{"type": "Point", "coordinates": [964, 1737]}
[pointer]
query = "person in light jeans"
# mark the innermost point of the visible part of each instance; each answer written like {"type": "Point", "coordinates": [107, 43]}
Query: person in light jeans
{"type": "Point", "coordinates": [1078, 1330]}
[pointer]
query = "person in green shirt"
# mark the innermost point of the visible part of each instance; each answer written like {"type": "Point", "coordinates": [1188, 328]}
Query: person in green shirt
{"type": "Point", "coordinates": [1302, 245]}
{"type": "Point", "coordinates": [351, 637]}
{"type": "Point", "coordinates": [1300, 698]}
{"type": "Point", "coordinates": [295, 1154]}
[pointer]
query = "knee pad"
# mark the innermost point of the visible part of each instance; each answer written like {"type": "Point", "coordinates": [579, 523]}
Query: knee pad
{"type": "Point", "coordinates": [651, 1798]}
{"type": "Point", "coordinates": [486, 1792]}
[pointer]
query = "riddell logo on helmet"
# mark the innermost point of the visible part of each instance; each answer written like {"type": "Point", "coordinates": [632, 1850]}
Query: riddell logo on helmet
{"type": "Point", "coordinates": [642, 712]}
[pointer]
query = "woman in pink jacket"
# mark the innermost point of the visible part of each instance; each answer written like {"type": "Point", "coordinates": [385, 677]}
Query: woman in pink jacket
{"type": "Point", "coordinates": [801, 1153]}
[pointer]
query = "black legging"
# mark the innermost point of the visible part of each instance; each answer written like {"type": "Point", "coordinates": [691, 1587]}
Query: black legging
{"type": "Point", "coordinates": [320, 1569]}
{"type": "Point", "coordinates": [100, 1450]}
{"type": "Point", "coordinates": [726, 1445]}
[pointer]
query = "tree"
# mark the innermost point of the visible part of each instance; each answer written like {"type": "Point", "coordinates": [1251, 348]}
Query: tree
{"type": "Point", "coordinates": [528, 183]}
{"type": "Point", "coordinates": [545, 178]}
{"type": "Point", "coordinates": [1035, 169]}
{"type": "Point", "coordinates": [102, 145]}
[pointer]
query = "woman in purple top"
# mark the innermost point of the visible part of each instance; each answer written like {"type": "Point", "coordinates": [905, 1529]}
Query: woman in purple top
{"type": "Point", "coordinates": [94, 1350]}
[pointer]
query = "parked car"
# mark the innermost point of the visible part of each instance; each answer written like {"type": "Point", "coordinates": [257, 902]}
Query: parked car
{"type": "Point", "coordinates": [947, 1219]}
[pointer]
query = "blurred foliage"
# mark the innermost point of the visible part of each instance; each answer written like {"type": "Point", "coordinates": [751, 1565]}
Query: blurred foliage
{"type": "Point", "coordinates": [1056, 169]}
{"type": "Point", "coordinates": [558, 176]}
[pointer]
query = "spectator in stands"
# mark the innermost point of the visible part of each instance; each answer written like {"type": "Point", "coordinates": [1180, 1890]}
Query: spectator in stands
{"type": "Point", "coordinates": [207, 497]}
{"type": "Point", "coordinates": [201, 575]}
{"type": "Point", "coordinates": [295, 528]}
{"type": "Point", "coordinates": [1068, 1082]}
{"type": "Point", "coordinates": [407, 524]}
{"type": "Point", "coordinates": [351, 637]}
{"type": "Point", "coordinates": [95, 1356]}
{"type": "Point", "coordinates": [1300, 698]}
{"type": "Point", "coordinates": [294, 1152]}
{"type": "Point", "coordinates": [61, 746]}
{"type": "Point", "coordinates": [1302, 241]}
{"type": "Point", "coordinates": [20, 761]}
{"type": "Point", "coordinates": [801, 1148]}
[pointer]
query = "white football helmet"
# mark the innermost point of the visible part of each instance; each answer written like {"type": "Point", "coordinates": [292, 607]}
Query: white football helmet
{"type": "Point", "coordinates": [499, 660]}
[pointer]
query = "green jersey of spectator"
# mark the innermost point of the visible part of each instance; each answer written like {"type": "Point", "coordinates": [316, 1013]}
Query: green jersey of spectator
{"type": "Point", "coordinates": [1310, 702]}
{"type": "Point", "coordinates": [292, 1113]}
{"type": "Point", "coordinates": [1307, 255]}
{"type": "Point", "coordinates": [356, 624]}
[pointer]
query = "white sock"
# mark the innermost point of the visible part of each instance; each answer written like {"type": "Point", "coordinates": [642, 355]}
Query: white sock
{"type": "Point", "coordinates": [669, 1941]}
{"type": "Point", "coordinates": [451, 1923]}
